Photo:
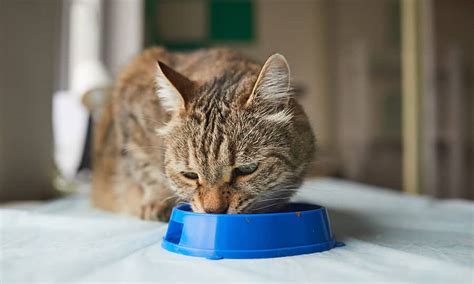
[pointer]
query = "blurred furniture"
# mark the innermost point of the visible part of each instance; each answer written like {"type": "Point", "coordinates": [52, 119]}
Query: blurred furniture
{"type": "Point", "coordinates": [437, 58]}
{"type": "Point", "coordinates": [87, 72]}
{"type": "Point", "coordinates": [402, 95]}
{"type": "Point", "coordinates": [102, 36]}
{"type": "Point", "coordinates": [388, 83]}
{"type": "Point", "coordinates": [29, 36]}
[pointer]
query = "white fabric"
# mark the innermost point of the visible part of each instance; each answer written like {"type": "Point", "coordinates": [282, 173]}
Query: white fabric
{"type": "Point", "coordinates": [389, 237]}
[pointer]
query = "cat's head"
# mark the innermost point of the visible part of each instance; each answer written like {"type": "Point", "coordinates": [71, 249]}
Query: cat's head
{"type": "Point", "coordinates": [237, 144]}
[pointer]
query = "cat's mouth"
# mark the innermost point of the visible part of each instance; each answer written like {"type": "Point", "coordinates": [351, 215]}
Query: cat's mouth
{"type": "Point", "coordinates": [271, 201]}
{"type": "Point", "coordinates": [253, 208]}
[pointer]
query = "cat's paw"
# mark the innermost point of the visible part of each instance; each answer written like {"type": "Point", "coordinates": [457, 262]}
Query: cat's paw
{"type": "Point", "coordinates": [156, 211]}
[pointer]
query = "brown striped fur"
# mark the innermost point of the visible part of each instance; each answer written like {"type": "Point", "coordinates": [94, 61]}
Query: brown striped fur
{"type": "Point", "coordinates": [205, 112]}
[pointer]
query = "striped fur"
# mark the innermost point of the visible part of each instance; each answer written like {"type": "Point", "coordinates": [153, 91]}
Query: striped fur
{"type": "Point", "coordinates": [206, 112]}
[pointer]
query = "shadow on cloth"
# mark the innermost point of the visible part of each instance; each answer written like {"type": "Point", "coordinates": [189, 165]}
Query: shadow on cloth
{"type": "Point", "coordinates": [351, 224]}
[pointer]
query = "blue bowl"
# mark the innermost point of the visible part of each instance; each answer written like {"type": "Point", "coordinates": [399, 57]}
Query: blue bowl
{"type": "Point", "coordinates": [299, 229]}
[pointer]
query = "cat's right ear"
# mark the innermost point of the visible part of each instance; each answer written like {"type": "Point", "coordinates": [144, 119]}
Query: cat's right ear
{"type": "Point", "coordinates": [173, 88]}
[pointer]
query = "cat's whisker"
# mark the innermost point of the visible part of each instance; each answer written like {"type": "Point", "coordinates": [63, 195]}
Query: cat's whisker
{"type": "Point", "coordinates": [152, 120]}
{"type": "Point", "coordinates": [271, 199]}
{"type": "Point", "coordinates": [263, 207]}
{"type": "Point", "coordinates": [243, 206]}
{"type": "Point", "coordinates": [170, 197]}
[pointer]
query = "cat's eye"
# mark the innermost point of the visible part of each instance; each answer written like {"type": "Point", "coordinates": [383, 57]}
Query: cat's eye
{"type": "Point", "coordinates": [245, 169]}
{"type": "Point", "coordinates": [190, 175]}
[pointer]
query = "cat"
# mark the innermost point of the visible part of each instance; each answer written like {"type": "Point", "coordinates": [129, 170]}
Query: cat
{"type": "Point", "coordinates": [209, 127]}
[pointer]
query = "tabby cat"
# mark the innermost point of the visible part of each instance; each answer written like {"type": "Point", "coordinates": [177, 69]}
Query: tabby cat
{"type": "Point", "coordinates": [209, 127]}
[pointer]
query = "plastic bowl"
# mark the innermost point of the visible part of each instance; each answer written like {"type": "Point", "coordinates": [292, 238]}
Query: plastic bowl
{"type": "Point", "coordinates": [299, 229]}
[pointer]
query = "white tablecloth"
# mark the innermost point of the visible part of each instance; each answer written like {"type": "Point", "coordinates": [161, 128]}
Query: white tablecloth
{"type": "Point", "coordinates": [388, 237]}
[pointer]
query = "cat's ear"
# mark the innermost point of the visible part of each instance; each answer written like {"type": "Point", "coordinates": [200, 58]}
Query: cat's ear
{"type": "Point", "coordinates": [173, 88]}
{"type": "Point", "coordinates": [273, 82]}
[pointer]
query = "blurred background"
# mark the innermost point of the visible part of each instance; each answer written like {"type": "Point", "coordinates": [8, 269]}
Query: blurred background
{"type": "Point", "coordinates": [387, 84]}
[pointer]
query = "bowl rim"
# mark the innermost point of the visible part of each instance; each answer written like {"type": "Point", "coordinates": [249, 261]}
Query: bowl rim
{"type": "Point", "coordinates": [181, 209]}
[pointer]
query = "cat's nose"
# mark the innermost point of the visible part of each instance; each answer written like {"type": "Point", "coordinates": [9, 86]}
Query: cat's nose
{"type": "Point", "coordinates": [214, 201]}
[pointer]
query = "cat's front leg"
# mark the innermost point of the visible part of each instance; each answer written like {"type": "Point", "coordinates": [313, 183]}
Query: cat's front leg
{"type": "Point", "coordinates": [157, 209]}
{"type": "Point", "coordinates": [156, 200]}
{"type": "Point", "coordinates": [148, 203]}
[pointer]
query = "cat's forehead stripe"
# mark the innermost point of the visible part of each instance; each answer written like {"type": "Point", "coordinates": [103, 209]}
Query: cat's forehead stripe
{"type": "Point", "coordinates": [214, 145]}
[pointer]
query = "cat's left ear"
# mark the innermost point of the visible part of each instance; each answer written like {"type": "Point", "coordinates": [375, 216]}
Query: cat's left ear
{"type": "Point", "coordinates": [273, 82]}
{"type": "Point", "coordinates": [173, 88]}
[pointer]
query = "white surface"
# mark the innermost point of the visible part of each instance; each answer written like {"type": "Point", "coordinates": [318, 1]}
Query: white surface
{"type": "Point", "coordinates": [388, 236]}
